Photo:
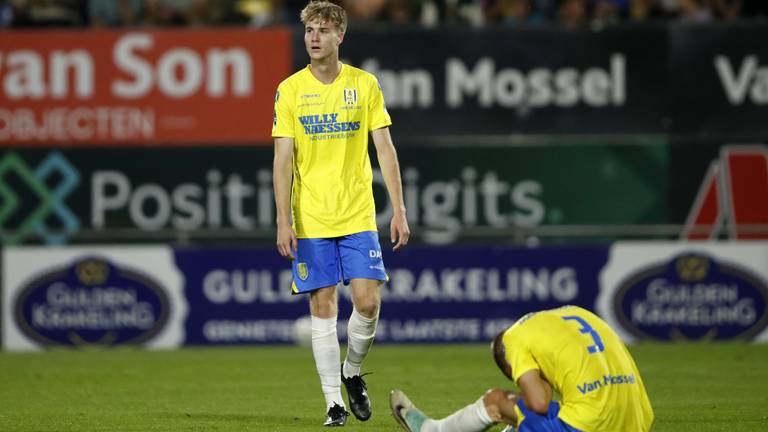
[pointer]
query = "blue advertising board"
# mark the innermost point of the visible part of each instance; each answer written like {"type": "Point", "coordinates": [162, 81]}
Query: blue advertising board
{"type": "Point", "coordinates": [456, 294]}
{"type": "Point", "coordinates": [156, 296]}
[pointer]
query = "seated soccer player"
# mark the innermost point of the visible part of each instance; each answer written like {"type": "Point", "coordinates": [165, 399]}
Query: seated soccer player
{"type": "Point", "coordinates": [569, 350]}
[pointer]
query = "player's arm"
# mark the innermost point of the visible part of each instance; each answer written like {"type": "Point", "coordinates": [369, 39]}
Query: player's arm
{"type": "Point", "coordinates": [537, 393]}
{"type": "Point", "coordinates": [282, 178]}
{"type": "Point", "coordinates": [390, 169]}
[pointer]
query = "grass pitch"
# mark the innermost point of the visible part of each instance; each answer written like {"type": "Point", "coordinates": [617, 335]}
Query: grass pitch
{"type": "Point", "coordinates": [693, 387]}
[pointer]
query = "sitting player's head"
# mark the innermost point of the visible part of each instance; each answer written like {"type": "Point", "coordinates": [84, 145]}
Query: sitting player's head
{"type": "Point", "coordinates": [500, 354]}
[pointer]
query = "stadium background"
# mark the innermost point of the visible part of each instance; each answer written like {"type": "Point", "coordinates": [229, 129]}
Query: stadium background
{"type": "Point", "coordinates": [581, 153]}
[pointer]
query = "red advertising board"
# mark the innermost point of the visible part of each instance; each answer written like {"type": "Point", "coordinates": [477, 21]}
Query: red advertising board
{"type": "Point", "coordinates": [734, 195]}
{"type": "Point", "coordinates": [164, 87]}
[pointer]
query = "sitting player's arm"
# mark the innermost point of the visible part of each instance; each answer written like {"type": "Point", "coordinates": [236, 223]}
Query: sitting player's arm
{"type": "Point", "coordinates": [537, 393]}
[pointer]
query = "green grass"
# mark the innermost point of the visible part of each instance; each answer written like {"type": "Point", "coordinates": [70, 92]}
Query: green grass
{"type": "Point", "coordinates": [693, 387]}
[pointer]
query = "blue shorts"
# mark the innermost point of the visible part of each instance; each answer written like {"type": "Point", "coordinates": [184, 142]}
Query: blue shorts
{"type": "Point", "coordinates": [534, 422]}
{"type": "Point", "coordinates": [323, 262]}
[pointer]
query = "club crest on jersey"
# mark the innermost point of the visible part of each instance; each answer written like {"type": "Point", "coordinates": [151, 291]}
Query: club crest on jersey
{"type": "Point", "coordinates": [302, 270]}
{"type": "Point", "coordinates": [350, 97]}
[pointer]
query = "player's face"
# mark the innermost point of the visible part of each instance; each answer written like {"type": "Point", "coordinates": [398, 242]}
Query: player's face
{"type": "Point", "coordinates": [322, 40]}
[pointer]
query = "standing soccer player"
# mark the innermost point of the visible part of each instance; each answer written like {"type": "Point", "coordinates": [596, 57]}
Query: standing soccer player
{"type": "Point", "coordinates": [323, 183]}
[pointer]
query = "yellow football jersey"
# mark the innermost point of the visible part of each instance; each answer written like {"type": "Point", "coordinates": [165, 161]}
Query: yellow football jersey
{"type": "Point", "coordinates": [587, 363]}
{"type": "Point", "coordinates": [329, 123]}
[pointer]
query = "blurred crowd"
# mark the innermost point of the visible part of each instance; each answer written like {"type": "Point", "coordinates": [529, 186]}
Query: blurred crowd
{"type": "Point", "coordinates": [427, 13]}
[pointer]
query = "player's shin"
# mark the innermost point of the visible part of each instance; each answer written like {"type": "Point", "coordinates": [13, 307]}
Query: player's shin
{"type": "Point", "coordinates": [471, 418]}
{"type": "Point", "coordinates": [360, 334]}
{"type": "Point", "coordinates": [325, 347]}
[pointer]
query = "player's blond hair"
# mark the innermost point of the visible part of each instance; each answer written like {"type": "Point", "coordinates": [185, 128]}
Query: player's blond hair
{"type": "Point", "coordinates": [325, 11]}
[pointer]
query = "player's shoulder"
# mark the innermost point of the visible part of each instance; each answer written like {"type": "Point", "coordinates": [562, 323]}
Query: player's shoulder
{"type": "Point", "coordinates": [361, 74]}
{"type": "Point", "coordinates": [293, 81]}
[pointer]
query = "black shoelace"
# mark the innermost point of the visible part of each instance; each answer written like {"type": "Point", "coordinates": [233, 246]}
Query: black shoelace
{"type": "Point", "coordinates": [359, 378]}
{"type": "Point", "coordinates": [336, 412]}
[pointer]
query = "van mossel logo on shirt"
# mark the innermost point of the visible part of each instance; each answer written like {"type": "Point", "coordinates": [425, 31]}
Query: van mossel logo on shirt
{"type": "Point", "coordinates": [605, 381]}
{"type": "Point", "coordinates": [92, 302]}
{"type": "Point", "coordinates": [326, 123]}
{"type": "Point", "coordinates": [692, 297]}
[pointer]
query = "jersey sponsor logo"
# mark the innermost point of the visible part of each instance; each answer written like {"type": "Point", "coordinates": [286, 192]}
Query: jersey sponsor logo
{"type": "Point", "coordinates": [302, 270]}
{"type": "Point", "coordinates": [693, 297]}
{"type": "Point", "coordinates": [92, 302]}
{"type": "Point", "coordinates": [605, 381]}
{"type": "Point", "coordinates": [326, 123]}
{"type": "Point", "coordinates": [372, 253]}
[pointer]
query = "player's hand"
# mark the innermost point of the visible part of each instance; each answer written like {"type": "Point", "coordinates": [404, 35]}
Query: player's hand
{"type": "Point", "coordinates": [287, 242]}
{"type": "Point", "coordinates": [398, 231]}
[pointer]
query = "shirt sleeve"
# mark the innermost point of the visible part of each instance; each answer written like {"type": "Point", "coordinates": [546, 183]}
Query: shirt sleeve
{"type": "Point", "coordinates": [282, 116]}
{"type": "Point", "coordinates": [376, 107]}
{"type": "Point", "coordinates": [519, 357]}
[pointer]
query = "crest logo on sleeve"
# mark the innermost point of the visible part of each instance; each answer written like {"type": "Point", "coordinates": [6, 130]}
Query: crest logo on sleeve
{"type": "Point", "coordinates": [92, 302]}
{"type": "Point", "coordinates": [693, 297]}
{"type": "Point", "coordinates": [302, 270]}
{"type": "Point", "coordinates": [350, 97]}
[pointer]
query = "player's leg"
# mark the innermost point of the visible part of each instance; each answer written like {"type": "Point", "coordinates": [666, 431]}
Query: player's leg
{"type": "Point", "coordinates": [360, 333]}
{"type": "Point", "coordinates": [316, 271]}
{"type": "Point", "coordinates": [362, 267]}
{"type": "Point", "coordinates": [495, 406]}
{"type": "Point", "coordinates": [366, 300]}
{"type": "Point", "coordinates": [325, 348]}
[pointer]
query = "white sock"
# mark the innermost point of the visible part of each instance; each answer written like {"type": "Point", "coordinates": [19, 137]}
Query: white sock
{"type": "Point", "coordinates": [360, 333]}
{"type": "Point", "coordinates": [325, 347]}
{"type": "Point", "coordinates": [471, 418]}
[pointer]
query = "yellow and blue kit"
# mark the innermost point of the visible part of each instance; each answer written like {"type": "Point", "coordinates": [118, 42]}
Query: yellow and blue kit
{"type": "Point", "coordinates": [332, 178]}
{"type": "Point", "coordinates": [586, 362]}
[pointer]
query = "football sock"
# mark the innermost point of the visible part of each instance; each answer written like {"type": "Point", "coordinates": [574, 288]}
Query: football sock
{"type": "Point", "coordinates": [471, 418]}
{"type": "Point", "coordinates": [325, 347]}
{"type": "Point", "coordinates": [360, 333]}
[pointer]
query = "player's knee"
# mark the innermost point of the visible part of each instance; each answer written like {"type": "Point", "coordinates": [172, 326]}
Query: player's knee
{"type": "Point", "coordinates": [368, 307]}
{"type": "Point", "coordinates": [323, 306]}
{"type": "Point", "coordinates": [493, 400]}
{"type": "Point", "coordinates": [504, 399]}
